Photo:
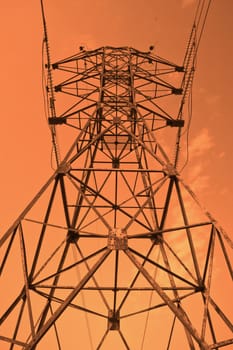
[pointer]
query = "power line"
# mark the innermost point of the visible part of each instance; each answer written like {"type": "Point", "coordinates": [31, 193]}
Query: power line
{"type": "Point", "coordinates": [150, 303]}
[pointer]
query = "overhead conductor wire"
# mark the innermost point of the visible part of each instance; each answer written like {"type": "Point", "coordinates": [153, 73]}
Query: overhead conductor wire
{"type": "Point", "coordinates": [189, 65]}
{"type": "Point", "coordinates": [50, 101]}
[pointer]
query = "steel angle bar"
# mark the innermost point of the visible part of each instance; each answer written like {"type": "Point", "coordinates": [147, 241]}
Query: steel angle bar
{"type": "Point", "coordinates": [26, 280]}
{"type": "Point", "coordinates": [26, 210]}
{"type": "Point", "coordinates": [142, 144]}
{"type": "Point", "coordinates": [210, 217]}
{"type": "Point", "coordinates": [178, 311]}
{"type": "Point", "coordinates": [13, 341]}
{"type": "Point", "coordinates": [189, 235]}
{"type": "Point", "coordinates": [171, 229]}
{"type": "Point", "coordinates": [57, 313]}
{"type": "Point", "coordinates": [146, 202]}
{"type": "Point", "coordinates": [99, 215]}
{"type": "Point", "coordinates": [61, 270]}
{"type": "Point", "coordinates": [162, 267]}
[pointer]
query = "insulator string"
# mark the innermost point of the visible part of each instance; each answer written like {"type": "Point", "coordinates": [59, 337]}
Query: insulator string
{"type": "Point", "coordinates": [189, 64]}
{"type": "Point", "coordinates": [50, 90]}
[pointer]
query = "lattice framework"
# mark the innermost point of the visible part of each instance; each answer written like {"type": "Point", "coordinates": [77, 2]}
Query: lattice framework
{"type": "Point", "coordinates": [115, 234]}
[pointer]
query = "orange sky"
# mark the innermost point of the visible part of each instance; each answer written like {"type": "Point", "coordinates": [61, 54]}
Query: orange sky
{"type": "Point", "coordinates": [25, 138]}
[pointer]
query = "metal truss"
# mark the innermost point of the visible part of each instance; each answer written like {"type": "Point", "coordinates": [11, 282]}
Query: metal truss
{"type": "Point", "coordinates": [115, 251]}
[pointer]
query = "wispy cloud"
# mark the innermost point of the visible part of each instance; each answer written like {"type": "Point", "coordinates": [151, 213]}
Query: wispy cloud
{"type": "Point", "coordinates": [212, 99]}
{"type": "Point", "coordinates": [186, 3]}
{"type": "Point", "coordinates": [197, 178]}
{"type": "Point", "coordinates": [202, 143]}
{"type": "Point", "coordinates": [200, 183]}
{"type": "Point", "coordinates": [199, 149]}
{"type": "Point", "coordinates": [222, 155]}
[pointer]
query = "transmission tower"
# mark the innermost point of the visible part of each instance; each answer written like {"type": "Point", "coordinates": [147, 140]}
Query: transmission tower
{"type": "Point", "coordinates": [115, 251]}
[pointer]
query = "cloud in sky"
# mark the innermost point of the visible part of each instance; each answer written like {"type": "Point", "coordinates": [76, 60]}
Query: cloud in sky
{"type": "Point", "coordinates": [186, 3]}
{"type": "Point", "coordinates": [199, 149]}
{"type": "Point", "coordinates": [212, 99]}
{"type": "Point", "coordinates": [201, 144]}
{"type": "Point", "coordinates": [197, 178]}
{"type": "Point", "coordinates": [200, 183]}
{"type": "Point", "coordinates": [222, 155]}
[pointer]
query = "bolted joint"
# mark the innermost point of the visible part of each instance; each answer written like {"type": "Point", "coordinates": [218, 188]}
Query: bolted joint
{"type": "Point", "coordinates": [157, 238]}
{"type": "Point", "coordinates": [117, 239]}
{"type": "Point", "coordinates": [200, 288]}
{"type": "Point", "coordinates": [113, 320]}
{"type": "Point", "coordinates": [64, 168]}
{"type": "Point", "coordinates": [116, 163]}
{"type": "Point", "coordinates": [72, 237]}
{"type": "Point", "coordinates": [170, 170]}
{"type": "Point", "coordinates": [116, 120]}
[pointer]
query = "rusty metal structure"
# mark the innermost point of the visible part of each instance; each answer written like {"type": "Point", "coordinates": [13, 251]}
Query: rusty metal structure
{"type": "Point", "coordinates": [116, 251]}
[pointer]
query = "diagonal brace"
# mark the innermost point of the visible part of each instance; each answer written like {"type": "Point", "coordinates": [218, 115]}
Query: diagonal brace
{"type": "Point", "coordinates": [178, 311]}
{"type": "Point", "coordinates": [67, 302]}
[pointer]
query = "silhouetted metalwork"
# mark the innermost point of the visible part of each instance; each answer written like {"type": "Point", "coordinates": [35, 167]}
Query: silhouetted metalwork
{"type": "Point", "coordinates": [116, 247]}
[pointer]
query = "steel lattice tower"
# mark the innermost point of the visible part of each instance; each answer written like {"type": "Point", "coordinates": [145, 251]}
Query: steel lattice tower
{"type": "Point", "coordinates": [115, 251]}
